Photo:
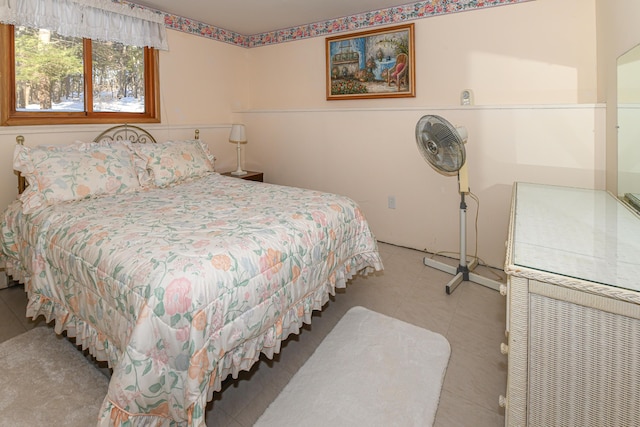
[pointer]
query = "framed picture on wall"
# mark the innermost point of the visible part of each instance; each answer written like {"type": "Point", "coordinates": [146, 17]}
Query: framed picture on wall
{"type": "Point", "coordinates": [372, 64]}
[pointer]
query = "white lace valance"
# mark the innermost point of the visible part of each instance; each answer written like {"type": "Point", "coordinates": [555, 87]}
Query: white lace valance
{"type": "Point", "coordinates": [103, 20]}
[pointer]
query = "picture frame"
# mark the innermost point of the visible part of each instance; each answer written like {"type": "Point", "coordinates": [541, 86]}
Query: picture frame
{"type": "Point", "coordinates": [371, 64]}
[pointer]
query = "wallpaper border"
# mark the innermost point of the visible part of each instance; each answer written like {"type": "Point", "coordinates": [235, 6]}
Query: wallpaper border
{"type": "Point", "coordinates": [393, 15]}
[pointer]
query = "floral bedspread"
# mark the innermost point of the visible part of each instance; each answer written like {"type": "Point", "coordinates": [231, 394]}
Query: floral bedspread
{"type": "Point", "coordinates": [178, 288]}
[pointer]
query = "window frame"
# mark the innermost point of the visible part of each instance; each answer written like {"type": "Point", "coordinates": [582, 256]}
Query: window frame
{"type": "Point", "coordinates": [9, 116]}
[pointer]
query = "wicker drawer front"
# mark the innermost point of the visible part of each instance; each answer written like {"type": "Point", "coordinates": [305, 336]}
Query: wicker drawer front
{"type": "Point", "coordinates": [584, 365]}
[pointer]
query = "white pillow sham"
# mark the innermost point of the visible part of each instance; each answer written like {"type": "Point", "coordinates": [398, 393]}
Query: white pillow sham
{"type": "Point", "coordinates": [62, 173]}
{"type": "Point", "coordinates": [172, 162]}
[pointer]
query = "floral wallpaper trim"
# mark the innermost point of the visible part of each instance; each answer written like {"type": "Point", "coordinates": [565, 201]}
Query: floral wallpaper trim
{"type": "Point", "coordinates": [197, 28]}
{"type": "Point", "coordinates": [191, 26]}
{"type": "Point", "coordinates": [392, 15]}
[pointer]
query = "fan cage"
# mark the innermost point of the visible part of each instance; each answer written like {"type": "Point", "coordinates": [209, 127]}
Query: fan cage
{"type": "Point", "coordinates": [440, 144]}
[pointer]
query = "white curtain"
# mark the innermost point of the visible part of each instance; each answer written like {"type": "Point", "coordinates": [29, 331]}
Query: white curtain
{"type": "Point", "coordinates": [103, 20]}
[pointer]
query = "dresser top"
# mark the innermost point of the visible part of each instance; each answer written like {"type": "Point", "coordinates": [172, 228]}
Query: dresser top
{"type": "Point", "coordinates": [579, 233]}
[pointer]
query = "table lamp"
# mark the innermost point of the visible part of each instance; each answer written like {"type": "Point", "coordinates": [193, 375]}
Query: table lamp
{"type": "Point", "coordinates": [238, 136]}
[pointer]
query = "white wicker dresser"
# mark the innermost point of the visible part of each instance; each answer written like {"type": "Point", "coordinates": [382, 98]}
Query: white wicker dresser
{"type": "Point", "coordinates": [573, 309]}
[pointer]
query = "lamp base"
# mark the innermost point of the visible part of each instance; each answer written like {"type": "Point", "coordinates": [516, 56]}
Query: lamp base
{"type": "Point", "coordinates": [238, 171]}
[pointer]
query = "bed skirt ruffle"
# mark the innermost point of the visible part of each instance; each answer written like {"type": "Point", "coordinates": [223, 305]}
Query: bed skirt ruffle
{"type": "Point", "coordinates": [231, 363]}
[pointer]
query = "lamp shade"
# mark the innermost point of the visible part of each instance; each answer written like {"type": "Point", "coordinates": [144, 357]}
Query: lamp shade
{"type": "Point", "coordinates": [237, 133]}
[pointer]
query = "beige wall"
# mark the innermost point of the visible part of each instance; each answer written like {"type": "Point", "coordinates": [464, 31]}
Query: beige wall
{"type": "Point", "coordinates": [533, 69]}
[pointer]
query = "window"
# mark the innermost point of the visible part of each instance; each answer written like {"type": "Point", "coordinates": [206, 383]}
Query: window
{"type": "Point", "coordinates": [52, 79]}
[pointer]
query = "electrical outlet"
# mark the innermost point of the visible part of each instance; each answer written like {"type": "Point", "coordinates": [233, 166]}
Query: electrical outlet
{"type": "Point", "coordinates": [391, 200]}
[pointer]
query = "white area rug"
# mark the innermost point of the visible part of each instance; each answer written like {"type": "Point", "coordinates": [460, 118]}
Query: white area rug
{"type": "Point", "coordinates": [46, 381]}
{"type": "Point", "coordinates": [371, 370]}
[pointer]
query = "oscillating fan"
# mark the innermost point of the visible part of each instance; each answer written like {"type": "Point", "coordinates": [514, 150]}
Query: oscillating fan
{"type": "Point", "coordinates": [442, 146]}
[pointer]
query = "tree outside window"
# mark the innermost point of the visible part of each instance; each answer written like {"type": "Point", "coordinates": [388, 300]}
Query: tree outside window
{"type": "Point", "coordinates": [49, 78]}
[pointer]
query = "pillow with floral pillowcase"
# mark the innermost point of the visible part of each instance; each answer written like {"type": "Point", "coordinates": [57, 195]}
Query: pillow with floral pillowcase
{"type": "Point", "coordinates": [72, 172]}
{"type": "Point", "coordinates": [172, 162]}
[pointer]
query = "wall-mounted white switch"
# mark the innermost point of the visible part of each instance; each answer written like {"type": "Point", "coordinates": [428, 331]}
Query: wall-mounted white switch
{"type": "Point", "coordinates": [391, 202]}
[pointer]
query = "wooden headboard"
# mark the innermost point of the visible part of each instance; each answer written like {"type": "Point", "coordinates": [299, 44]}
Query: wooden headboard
{"type": "Point", "coordinates": [126, 132]}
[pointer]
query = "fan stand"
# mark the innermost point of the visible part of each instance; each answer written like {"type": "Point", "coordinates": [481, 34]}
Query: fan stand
{"type": "Point", "coordinates": [463, 271]}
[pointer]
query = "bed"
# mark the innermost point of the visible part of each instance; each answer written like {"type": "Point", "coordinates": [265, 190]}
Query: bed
{"type": "Point", "coordinates": [173, 274]}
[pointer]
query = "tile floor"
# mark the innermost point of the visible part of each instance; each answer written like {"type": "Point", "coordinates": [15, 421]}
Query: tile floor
{"type": "Point", "coordinates": [472, 318]}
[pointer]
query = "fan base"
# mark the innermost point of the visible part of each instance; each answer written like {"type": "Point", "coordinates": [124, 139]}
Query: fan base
{"type": "Point", "coordinates": [459, 273]}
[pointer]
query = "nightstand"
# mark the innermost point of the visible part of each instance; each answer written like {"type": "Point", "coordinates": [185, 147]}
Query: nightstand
{"type": "Point", "coordinates": [250, 176]}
